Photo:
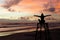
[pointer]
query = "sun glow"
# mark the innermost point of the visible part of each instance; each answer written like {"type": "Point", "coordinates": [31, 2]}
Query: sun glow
{"type": "Point", "coordinates": [4, 14]}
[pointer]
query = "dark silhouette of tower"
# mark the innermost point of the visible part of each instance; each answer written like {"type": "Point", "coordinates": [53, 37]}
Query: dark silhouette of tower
{"type": "Point", "coordinates": [42, 21]}
{"type": "Point", "coordinates": [44, 25]}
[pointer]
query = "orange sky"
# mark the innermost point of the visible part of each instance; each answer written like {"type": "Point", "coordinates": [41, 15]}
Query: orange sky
{"type": "Point", "coordinates": [25, 7]}
{"type": "Point", "coordinates": [28, 5]}
{"type": "Point", "coordinates": [32, 5]}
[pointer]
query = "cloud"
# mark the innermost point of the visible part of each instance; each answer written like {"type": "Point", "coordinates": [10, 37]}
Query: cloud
{"type": "Point", "coordinates": [3, 10]}
{"type": "Point", "coordinates": [30, 5]}
{"type": "Point", "coordinates": [9, 3]}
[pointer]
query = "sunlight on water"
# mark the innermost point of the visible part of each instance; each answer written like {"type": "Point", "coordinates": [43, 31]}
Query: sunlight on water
{"type": "Point", "coordinates": [6, 33]}
{"type": "Point", "coordinates": [13, 32]}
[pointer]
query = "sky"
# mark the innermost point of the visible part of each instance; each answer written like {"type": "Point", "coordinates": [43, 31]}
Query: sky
{"type": "Point", "coordinates": [13, 9]}
{"type": "Point", "coordinates": [1, 1]}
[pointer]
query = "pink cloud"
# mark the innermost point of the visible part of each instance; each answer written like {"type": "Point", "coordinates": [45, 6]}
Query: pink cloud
{"type": "Point", "coordinates": [29, 5]}
{"type": "Point", "coordinates": [9, 3]}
